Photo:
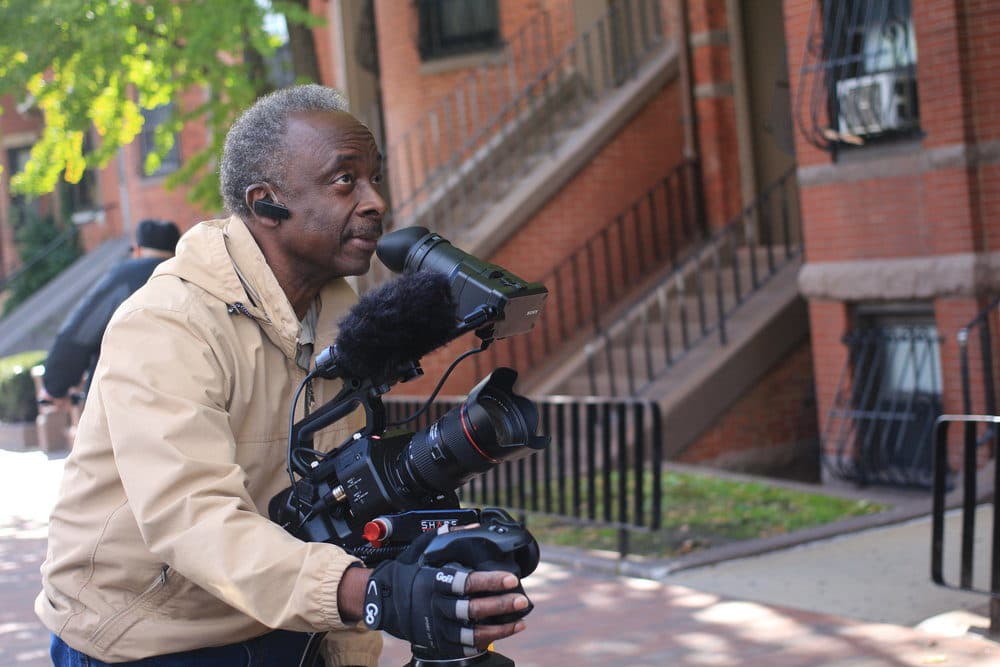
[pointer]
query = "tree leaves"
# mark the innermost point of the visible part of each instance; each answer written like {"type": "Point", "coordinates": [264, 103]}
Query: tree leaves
{"type": "Point", "coordinates": [90, 65]}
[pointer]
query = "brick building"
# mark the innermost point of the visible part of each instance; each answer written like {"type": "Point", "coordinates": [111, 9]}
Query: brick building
{"type": "Point", "coordinates": [106, 203]}
{"type": "Point", "coordinates": [899, 207]}
{"type": "Point", "coordinates": [718, 194]}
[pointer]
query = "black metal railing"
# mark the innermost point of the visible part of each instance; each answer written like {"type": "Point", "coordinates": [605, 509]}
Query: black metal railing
{"type": "Point", "coordinates": [603, 465]}
{"type": "Point", "coordinates": [466, 152]}
{"type": "Point", "coordinates": [653, 232]}
{"type": "Point", "coordinates": [972, 455]}
{"type": "Point", "coordinates": [710, 281]}
{"type": "Point", "coordinates": [425, 155]}
{"type": "Point", "coordinates": [878, 430]}
{"type": "Point", "coordinates": [980, 327]}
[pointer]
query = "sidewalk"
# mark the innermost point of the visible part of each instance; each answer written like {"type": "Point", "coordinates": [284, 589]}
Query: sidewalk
{"type": "Point", "coordinates": [783, 608]}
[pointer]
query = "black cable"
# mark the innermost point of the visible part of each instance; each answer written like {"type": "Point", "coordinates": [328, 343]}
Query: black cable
{"type": "Point", "coordinates": [440, 384]}
{"type": "Point", "coordinates": [291, 427]}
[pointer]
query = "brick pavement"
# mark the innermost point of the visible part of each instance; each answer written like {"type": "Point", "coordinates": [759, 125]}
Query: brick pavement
{"type": "Point", "coordinates": [583, 618]}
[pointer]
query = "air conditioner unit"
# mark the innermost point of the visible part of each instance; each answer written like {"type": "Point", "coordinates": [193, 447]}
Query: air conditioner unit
{"type": "Point", "coordinates": [877, 103]}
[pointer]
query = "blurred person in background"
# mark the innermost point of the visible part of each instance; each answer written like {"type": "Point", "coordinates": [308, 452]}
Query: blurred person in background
{"type": "Point", "coordinates": [73, 355]}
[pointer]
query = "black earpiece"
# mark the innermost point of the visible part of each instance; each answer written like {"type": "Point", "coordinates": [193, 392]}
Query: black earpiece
{"type": "Point", "coordinates": [270, 209]}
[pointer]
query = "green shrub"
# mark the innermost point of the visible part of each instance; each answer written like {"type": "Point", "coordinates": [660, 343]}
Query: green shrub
{"type": "Point", "coordinates": [17, 389]}
{"type": "Point", "coordinates": [46, 248]}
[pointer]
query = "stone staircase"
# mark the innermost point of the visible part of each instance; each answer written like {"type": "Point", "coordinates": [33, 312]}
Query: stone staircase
{"type": "Point", "coordinates": [34, 323]}
{"type": "Point", "coordinates": [477, 189]}
{"type": "Point", "coordinates": [700, 335]}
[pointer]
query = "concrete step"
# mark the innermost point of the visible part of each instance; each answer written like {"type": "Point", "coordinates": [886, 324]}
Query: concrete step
{"type": "Point", "coordinates": [701, 382]}
{"type": "Point", "coordinates": [661, 328]}
{"type": "Point", "coordinates": [33, 324]}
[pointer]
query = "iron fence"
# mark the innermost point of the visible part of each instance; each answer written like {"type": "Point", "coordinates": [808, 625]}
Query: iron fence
{"type": "Point", "coordinates": [983, 374]}
{"type": "Point", "coordinates": [654, 231]}
{"type": "Point", "coordinates": [602, 467]}
{"type": "Point", "coordinates": [971, 455]}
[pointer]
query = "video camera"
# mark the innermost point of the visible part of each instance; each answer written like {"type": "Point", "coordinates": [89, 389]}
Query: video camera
{"type": "Point", "coordinates": [385, 486]}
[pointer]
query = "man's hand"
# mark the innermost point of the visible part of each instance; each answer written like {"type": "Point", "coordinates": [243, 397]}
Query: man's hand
{"type": "Point", "coordinates": [435, 607]}
{"type": "Point", "coordinates": [439, 608]}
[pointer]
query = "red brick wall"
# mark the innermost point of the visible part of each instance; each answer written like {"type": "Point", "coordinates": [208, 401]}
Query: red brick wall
{"type": "Point", "coordinates": [630, 165]}
{"type": "Point", "coordinates": [893, 216]}
{"type": "Point", "coordinates": [896, 215]}
{"type": "Point", "coordinates": [942, 209]}
{"type": "Point", "coordinates": [775, 415]}
{"type": "Point", "coordinates": [408, 94]}
{"type": "Point", "coordinates": [626, 168]}
{"type": "Point", "coordinates": [977, 37]}
{"type": "Point", "coordinates": [828, 322]}
{"type": "Point", "coordinates": [323, 37]}
{"type": "Point", "coordinates": [797, 30]}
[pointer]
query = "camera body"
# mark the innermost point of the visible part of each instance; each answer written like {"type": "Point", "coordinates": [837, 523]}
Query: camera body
{"type": "Point", "coordinates": [483, 292]}
{"type": "Point", "coordinates": [380, 474]}
{"type": "Point", "coordinates": [359, 484]}
{"type": "Point", "coordinates": [382, 487]}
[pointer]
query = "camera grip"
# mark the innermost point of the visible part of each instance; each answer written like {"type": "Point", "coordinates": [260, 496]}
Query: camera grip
{"type": "Point", "coordinates": [499, 544]}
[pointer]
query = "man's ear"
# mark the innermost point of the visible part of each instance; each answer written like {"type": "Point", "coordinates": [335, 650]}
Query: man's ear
{"type": "Point", "coordinates": [260, 200]}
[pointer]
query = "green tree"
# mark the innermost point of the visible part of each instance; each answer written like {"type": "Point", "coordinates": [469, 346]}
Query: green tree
{"type": "Point", "coordinates": [97, 63]}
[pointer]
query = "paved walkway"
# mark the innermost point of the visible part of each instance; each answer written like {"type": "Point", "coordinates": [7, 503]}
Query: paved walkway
{"type": "Point", "coordinates": [725, 614]}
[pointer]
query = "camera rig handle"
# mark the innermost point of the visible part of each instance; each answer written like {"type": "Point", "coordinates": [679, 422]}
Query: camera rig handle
{"type": "Point", "coordinates": [354, 393]}
{"type": "Point", "coordinates": [497, 543]}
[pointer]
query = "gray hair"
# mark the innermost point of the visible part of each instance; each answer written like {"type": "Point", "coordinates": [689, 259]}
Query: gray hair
{"type": "Point", "coordinates": [255, 148]}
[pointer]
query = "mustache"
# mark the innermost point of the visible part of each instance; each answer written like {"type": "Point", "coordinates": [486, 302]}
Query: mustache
{"type": "Point", "coordinates": [370, 232]}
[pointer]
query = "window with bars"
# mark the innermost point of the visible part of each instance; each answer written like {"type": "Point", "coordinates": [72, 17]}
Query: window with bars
{"type": "Point", "coordinates": [153, 119]}
{"type": "Point", "coordinates": [452, 27]}
{"type": "Point", "coordinates": [858, 79]}
{"type": "Point", "coordinates": [881, 423]}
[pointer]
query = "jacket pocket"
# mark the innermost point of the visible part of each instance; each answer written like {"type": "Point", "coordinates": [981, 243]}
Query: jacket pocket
{"type": "Point", "coordinates": [118, 623]}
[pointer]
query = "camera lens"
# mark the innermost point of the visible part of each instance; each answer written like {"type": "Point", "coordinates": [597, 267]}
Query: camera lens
{"type": "Point", "coordinates": [492, 425]}
{"type": "Point", "coordinates": [504, 422]}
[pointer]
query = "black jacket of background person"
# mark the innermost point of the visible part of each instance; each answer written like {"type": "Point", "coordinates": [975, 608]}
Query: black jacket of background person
{"type": "Point", "coordinates": [78, 342]}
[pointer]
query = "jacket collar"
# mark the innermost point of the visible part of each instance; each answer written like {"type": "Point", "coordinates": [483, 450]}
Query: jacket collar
{"type": "Point", "coordinates": [222, 257]}
{"type": "Point", "coordinates": [270, 300]}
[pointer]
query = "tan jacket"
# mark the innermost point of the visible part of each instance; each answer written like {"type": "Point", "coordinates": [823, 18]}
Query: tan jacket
{"type": "Point", "coordinates": [160, 540]}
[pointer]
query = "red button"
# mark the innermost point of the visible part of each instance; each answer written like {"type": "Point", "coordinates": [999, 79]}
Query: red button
{"type": "Point", "coordinates": [375, 531]}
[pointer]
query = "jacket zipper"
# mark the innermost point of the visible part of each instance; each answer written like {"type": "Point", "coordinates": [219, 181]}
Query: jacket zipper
{"type": "Point", "coordinates": [238, 307]}
{"type": "Point", "coordinates": [152, 590]}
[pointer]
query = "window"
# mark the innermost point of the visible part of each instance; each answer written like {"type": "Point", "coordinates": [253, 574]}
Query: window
{"type": "Point", "coordinates": [890, 396]}
{"type": "Point", "coordinates": [862, 73]}
{"type": "Point", "coordinates": [80, 199]}
{"type": "Point", "coordinates": [152, 119]}
{"type": "Point", "coordinates": [451, 27]}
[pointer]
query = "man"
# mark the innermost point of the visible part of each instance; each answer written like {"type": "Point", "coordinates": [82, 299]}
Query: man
{"type": "Point", "coordinates": [78, 342]}
{"type": "Point", "coordinates": [160, 551]}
